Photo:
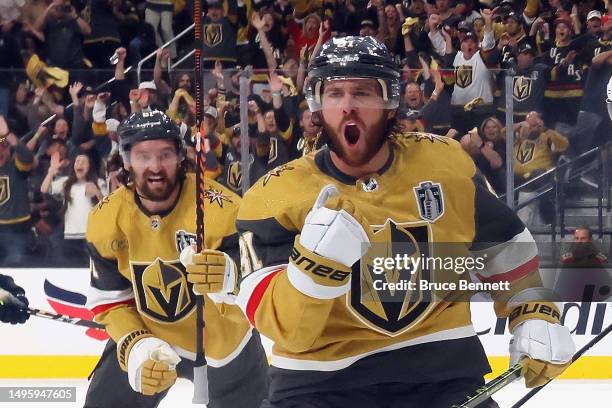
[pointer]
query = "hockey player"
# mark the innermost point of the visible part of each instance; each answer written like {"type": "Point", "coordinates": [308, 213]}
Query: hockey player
{"type": "Point", "coordinates": [139, 288]}
{"type": "Point", "coordinates": [339, 341]}
{"type": "Point", "coordinates": [13, 302]}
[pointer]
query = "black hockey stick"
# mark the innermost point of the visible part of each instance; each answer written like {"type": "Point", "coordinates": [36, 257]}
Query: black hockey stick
{"type": "Point", "coordinates": [64, 319]}
{"type": "Point", "coordinates": [575, 357]}
{"type": "Point", "coordinates": [200, 167]}
{"type": "Point", "coordinates": [483, 393]}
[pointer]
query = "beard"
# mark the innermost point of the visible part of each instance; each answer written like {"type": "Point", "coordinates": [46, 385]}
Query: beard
{"type": "Point", "coordinates": [159, 190]}
{"type": "Point", "coordinates": [336, 140]}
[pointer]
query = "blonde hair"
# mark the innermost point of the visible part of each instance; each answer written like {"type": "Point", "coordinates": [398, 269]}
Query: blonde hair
{"type": "Point", "coordinates": [501, 135]}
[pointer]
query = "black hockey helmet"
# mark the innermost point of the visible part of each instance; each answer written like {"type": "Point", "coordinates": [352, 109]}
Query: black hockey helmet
{"type": "Point", "coordinates": [143, 126]}
{"type": "Point", "coordinates": [354, 57]}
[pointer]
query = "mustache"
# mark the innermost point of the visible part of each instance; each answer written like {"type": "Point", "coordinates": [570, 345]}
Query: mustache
{"type": "Point", "coordinates": [148, 174]}
{"type": "Point", "coordinates": [352, 118]}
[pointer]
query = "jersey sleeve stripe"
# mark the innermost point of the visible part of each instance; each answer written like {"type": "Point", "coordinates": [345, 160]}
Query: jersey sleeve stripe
{"type": "Point", "coordinates": [513, 275]}
{"type": "Point", "coordinates": [100, 301]}
{"type": "Point", "coordinates": [252, 289]}
{"type": "Point", "coordinates": [509, 260]}
{"type": "Point", "coordinates": [103, 308]}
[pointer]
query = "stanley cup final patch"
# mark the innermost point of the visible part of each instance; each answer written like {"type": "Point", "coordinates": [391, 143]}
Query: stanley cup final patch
{"type": "Point", "coordinates": [430, 200]}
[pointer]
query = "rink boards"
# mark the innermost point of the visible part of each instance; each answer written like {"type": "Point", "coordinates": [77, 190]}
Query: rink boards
{"type": "Point", "coordinates": [43, 348]}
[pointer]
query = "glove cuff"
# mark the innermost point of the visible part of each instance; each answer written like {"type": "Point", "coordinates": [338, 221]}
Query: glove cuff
{"type": "Point", "coordinates": [317, 276]}
{"type": "Point", "coordinates": [547, 311]}
{"type": "Point", "coordinates": [124, 346]}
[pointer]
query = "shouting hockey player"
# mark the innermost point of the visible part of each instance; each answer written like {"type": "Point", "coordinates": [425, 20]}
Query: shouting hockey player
{"type": "Point", "coordinates": [139, 287]}
{"type": "Point", "coordinates": [308, 230]}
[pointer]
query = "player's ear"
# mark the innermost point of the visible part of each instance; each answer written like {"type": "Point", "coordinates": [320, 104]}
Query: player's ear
{"type": "Point", "coordinates": [391, 113]}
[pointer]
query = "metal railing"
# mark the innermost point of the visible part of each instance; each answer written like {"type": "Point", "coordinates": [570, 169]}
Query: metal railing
{"type": "Point", "coordinates": [165, 45]}
{"type": "Point", "coordinates": [561, 175]}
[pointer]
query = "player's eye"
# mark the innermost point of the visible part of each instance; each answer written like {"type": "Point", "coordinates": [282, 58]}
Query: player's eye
{"type": "Point", "coordinates": [334, 93]}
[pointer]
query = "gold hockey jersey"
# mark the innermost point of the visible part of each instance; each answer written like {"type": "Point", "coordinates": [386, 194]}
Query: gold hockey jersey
{"type": "Point", "coordinates": [138, 281]}
{"type": "Point", "coordinates": [428, 193]}
{"type": "Point", "coordinates": [537, 154]}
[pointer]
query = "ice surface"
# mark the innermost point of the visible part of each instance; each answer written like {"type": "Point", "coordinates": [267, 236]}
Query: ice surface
{"type": "Point", "coordinates": [558, 394]}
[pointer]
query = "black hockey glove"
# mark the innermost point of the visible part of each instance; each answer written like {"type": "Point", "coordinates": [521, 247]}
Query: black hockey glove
{"type": "Point", "coordinates": [13, 302]}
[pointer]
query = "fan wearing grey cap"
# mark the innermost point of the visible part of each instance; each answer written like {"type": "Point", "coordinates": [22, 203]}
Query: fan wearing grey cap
{"type": "Point", "coordinates": [529, 82]}
{"type": "Point", "coordinates": [594, 22]}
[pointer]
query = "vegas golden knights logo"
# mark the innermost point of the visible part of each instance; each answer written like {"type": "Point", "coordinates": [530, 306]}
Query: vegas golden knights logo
{"type": "Point", "coordinates": [463, 76]}
{"type": "Point", "coordinates": [521, 88]}
{"type": "Point", "coordinates": [273, 150]}
{"type": "Point", "coordinates": [524, 153]}
{"type": "Point", "coordinates": [392, 311]}
{"type": "Point", "coordinates": [5, 189]}
{"type": "Point", "coordinates": [162, 291]}
{"type": "Point", "coordinates": [234, 176]}
{"type": "Point", "coordinates": [213, 34]}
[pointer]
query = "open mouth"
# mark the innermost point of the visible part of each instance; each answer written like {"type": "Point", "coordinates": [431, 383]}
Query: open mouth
{"type": "Point", "coordinates": [156, 179]}
{"type": "Point", "coordinates": [351, 133]}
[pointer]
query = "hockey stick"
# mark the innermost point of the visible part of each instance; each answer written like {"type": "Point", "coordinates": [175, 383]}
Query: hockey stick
{"type": "Point", "coordinates": [575, 357]}
{"type": "Point", "coordinates": [490, 388]}
{"type": "Point", "coordinates": [65, 319]}
{"type": "Point", "coordinates": [200, 158]}
{"type": "Point", "coordinates": [513, 373]}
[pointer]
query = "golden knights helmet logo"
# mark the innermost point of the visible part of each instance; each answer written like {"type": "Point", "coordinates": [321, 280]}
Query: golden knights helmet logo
{"type": "Point", "coordinates": [234, 176]}
{"type": "Point", "coordinates": [392, 311]}
{"type": "Point", "coordinates": [5, 189]}
{"type": "Point", "coordinates": [429, 200]}
{"type": "Point", "coordinates": [524, 152]}
{"type": "Point", "coordinates": [213, 34]}
{"type": "Point", "coordinates": [521, 88]}
{"type": "Point", "coordinates": [463, 76]}
{"type": "Point", "coordinates": [163, 293]}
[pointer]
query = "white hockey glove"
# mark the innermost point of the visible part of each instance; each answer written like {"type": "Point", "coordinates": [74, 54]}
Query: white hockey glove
{"type": "Point", "coordinates": [331, 241]}
{"type": "Point", "coordinates": [212, 272]}
{"type": "Point", "coordinates": [542, 345]}
{"type": "Point", "coordinates": [151, 362]}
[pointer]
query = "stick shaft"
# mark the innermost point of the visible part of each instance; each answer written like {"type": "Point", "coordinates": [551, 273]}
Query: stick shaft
{"type": "Point", "coordinates": [64, 319]}
{"type": "Point", "coordinates": [575, 357]}
{"type": "Point", "coordinates": [200, 155]}
{"type": "Point", "coordinates": [490, 388]}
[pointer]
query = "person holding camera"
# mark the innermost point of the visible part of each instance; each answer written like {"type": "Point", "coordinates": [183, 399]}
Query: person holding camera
{"type": "Point", "coordinates": [63, 30]}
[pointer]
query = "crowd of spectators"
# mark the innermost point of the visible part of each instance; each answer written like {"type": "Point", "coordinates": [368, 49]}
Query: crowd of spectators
{"type": "Point", "coordinates": [58, 58]}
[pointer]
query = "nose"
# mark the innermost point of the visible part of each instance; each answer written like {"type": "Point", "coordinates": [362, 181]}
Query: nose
{"type": "Point", "coordinates": [347, 105]}
{"type": "Point", "coordinates": [155, 164]}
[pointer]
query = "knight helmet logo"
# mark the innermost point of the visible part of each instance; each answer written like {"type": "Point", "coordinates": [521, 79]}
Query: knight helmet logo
{"type": "Point", "coordinates": [525, 150]}
{"type": "Point", "coordinates": [521, 88]}
{"type": "Point", "coordinates": [213, 34]}
{"type": "Point", "coordinates": [162, 291]}
{"type": "Point", "coordinates": [463, 76]}
{"type": "Point", "coordinates": [5, 189]}
{"type": "Point", "coordinates": [389, 309]}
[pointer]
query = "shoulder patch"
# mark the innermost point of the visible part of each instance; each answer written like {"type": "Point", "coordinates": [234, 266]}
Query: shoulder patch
{"type": "Point", "coordinates": [422, 136]}
{"type": "Point", "coordinates": [216, 196]}
{"type": "Point", "coordinates": [276, 173]}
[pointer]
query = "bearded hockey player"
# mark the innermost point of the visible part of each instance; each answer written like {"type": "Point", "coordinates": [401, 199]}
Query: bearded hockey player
{"type": "Point", "coordinates": [311, 228]}
{"type": "Point", "coordinates": [139, 287]}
